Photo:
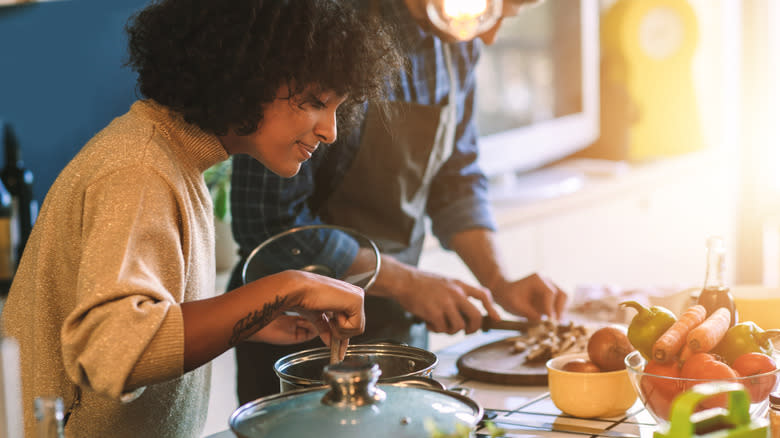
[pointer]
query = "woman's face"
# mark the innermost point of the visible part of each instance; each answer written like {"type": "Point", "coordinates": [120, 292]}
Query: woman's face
{"type": "Point", "coordinates": [291, 130]}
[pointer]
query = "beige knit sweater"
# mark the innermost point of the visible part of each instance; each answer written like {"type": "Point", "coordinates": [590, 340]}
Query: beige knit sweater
{"type": "Point", "coordinates": [124, 236]}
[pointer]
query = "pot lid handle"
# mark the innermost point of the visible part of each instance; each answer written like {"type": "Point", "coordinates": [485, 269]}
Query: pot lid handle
{"type": "Point", "coordinates": [352, 383]}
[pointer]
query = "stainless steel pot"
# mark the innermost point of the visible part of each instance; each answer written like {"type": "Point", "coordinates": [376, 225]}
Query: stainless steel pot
{"type": "Point", "coordinates": [354, 405]}
{"type": "Point", "coordinates": [397, 362]}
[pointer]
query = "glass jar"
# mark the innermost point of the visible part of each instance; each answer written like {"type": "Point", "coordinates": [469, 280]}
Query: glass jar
{"type": "Point", "coordinates": [715, 293]}
{"type": "Point", "coordinates": [49, 417]}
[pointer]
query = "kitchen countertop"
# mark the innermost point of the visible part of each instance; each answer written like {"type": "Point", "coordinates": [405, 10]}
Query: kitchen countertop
{"type": "Point", "coordinates": [526, 411]}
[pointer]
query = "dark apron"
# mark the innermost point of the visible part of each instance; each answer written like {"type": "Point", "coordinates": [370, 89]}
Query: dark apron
{"type": "Point", "coordinates": [385, 191]}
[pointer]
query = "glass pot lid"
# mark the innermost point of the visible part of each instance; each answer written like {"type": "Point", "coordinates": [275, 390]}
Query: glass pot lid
{"type": "Point", "coordinates": [329, 250]}
{"type": "Point", "coordinates": [352, 405]}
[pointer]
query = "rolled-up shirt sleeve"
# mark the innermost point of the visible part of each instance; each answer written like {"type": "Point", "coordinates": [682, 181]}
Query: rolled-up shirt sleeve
{"type": "Point", "coordinates": [126, 330]}
{"type": "Point", "coordinates": [459, 192]}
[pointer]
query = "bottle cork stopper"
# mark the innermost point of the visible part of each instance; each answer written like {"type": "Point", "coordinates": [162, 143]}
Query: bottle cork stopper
{"type": "Point", "coordinates": [774, 400]}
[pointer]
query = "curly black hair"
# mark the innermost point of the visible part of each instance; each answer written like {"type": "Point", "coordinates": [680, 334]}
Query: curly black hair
{"type": "Point", "coordinates": [218, 62]}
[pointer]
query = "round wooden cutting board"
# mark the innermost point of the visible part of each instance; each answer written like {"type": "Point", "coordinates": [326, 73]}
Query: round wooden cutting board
{"type": "Point", "coordinates": [498, 363]}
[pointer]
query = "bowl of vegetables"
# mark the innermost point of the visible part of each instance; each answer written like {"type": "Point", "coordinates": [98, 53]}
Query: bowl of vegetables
{"type": "Point", "coordinates": [659, 384]}
{"type": "Point", "coordinates": [598, 375]}
{"type": "Point", "coordinates": [675, 354]}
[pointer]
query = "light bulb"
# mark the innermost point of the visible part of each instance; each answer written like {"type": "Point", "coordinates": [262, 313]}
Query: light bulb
{"type": "Point", "coordinates": [463, 19]}
{"type": "Point", "coordinates": [464, 8]}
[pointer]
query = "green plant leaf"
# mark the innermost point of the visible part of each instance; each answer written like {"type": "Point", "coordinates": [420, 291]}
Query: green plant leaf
{"type": "Point", "coordinates": [217, 179]}
{"type": "Point", "coordinates": [221, 202]}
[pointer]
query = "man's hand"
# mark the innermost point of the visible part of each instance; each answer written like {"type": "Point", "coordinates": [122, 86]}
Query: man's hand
{"type": "Point", "coordinates": [532, 297]}
{"type": "Point", "coordinates": [443, 303]}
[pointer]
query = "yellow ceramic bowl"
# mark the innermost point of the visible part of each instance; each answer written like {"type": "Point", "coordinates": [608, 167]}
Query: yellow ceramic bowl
{"type": "Point", "coordinates": [758, 304]}
{"type": "Point", "coordinates": [589, 395]}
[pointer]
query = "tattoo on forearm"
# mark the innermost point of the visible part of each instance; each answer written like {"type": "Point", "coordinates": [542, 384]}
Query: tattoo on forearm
{"type": "Point", "coordinates": [256, 320]}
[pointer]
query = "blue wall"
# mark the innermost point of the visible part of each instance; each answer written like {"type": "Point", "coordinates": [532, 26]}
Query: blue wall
{"type": "Point", "coordinates": [62, 77]}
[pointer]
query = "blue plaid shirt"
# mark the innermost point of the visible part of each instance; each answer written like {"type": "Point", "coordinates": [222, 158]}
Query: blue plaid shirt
{"type": "Point", "coordinates": [264, 204]}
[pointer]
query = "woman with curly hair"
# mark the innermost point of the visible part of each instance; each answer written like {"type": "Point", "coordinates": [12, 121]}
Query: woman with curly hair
{"type": "Point", "coordinates": [113, 303]}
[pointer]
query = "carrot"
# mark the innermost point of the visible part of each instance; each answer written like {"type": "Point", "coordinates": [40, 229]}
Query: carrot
{"type": "Point", "coordinates": [685, 353]}
{"type": "Point", "coordinates": [673, 339]}
{"type": "Point", "coordinates": [707, 335]}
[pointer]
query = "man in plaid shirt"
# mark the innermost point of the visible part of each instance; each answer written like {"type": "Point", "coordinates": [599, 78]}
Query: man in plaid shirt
{"type": "Point", "coordinates": [414, 157]}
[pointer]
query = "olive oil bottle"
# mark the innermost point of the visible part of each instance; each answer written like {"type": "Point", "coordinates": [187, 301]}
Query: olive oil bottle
{"type": "Point", "coordinates": [18, 180]}
{"type": "Point", "coordinates": [715, 294]}
{"type": "Point", "coordinates": [8, 241]}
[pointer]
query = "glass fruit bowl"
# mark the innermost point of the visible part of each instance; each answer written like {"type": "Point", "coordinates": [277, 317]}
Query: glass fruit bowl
{"type": "Point", "coordinates": [657, 392]}
{"type": "Point", "coordinates": [328, 250]}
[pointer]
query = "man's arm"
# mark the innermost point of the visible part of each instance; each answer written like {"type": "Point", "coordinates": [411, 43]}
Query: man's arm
{"type": "Point", "coordinates": [443, 302]}
{"type": "Point", "coordinates": [458, 198]}
{"type": "Point", "coordinates": [462, 216]}
{"type": "Point", "coordinates": [532, 296]}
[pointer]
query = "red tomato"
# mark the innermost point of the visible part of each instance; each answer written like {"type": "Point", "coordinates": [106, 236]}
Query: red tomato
{"type": "Point", "coordinates": [705, 366]}
{"type": "Point", "coordinates": [659, 392]}
{"type": "Point", "coordinates": [656, 368]}
{"type": "Point", "coordinates": [751, 364]}
{"type": "Point", "coordinates": [658, 402]}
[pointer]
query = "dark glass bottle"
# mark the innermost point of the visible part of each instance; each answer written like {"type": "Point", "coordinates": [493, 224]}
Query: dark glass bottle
{"type": "Point", "coordinates": [7, 241]}
{"type": "Point", "coordinates": [715, 293]}
{"type": "Point", "coordinates": [19, 181]}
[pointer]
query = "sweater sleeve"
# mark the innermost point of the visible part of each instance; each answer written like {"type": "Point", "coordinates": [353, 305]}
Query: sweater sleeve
{"type": "Point", "coordinates": [126, 330]}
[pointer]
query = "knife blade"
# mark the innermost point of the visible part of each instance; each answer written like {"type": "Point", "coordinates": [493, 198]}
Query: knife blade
{"type": "Point", "coordinates": [505, 324]}
{"type": "Point", "coordinates": [559, 427]}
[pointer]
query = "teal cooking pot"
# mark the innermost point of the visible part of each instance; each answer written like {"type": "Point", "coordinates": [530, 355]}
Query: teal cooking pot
{"type": "Point", "coordinates": [352, 404]}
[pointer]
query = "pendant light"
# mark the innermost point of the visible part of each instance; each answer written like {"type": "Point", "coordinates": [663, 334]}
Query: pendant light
{"type": "Point", "coordinates": [463, 19]}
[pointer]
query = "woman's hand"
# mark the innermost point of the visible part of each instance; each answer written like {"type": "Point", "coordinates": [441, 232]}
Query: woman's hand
{"type": "Point", "coordinates": [215, 324]}
{"type": "Point", "coordinates": [316, 294]}
{"type": "Point", "coordinates": [309, 319]}
{"type": "Point", "coordinates": [294, 329]}
{"type": "Point", "coordinates": [286, 330]}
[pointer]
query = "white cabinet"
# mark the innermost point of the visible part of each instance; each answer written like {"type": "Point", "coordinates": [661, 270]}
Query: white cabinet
{"type": "Point", "coordinates": [643, 228]}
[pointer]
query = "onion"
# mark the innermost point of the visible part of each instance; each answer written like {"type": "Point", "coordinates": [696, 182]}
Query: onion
{"type": "Point", "coordinates": [581, 366]}
{"type": "Point", "coordinates": [607, 347]}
